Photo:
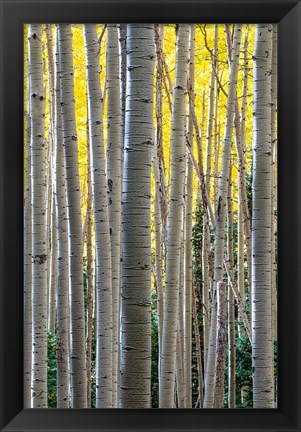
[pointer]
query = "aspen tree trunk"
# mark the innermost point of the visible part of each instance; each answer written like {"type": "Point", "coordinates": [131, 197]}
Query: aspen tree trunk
{"type": "Point", "coordinates": [198, 348]}
{"type": "Point", "coordinates": [160, 198]}
{"type": "Point", "coordinates": [28, 263]}
{"type": "Point", "coordinates": [158, 263]}
{"type": "Point", "coordinates": [231, 310]}
{"type": "Point", "coordinates": [243, 212]}
{"type": "Point", "coordinates": [188, 244]}
{"type": "Point", "coordinates": [242, 163]}
{"type": "Point", "coordinates": [205, 295]}
{"type": "Point", "coordinates": [274, 92]}
{"type": "Point", "coordinates": [262, 344]}
{"type": "Point", "coordinates": [180, 374]}
{"type": "Point", "coordinates": [53, 262]}
{"type": "Point", "coordinates": [90, 273]}
{"type": "Point", "coordinates": [78, 384]}
{"type": "Point", "coordinates": [166, 391]}
{"type": "Point", "coordinates": [62, 277]}
{"type": "Point", "coordinates": [240, 257]}
{"type": "Point", "coordinates": [181, 385]}
{"type": "Point", "coordinates": [122, 74]}
{"type": "Point", "coordinates": [204, 252]}
{"type": "Point", "coordinates": [114, 154]}
{"type": "Point", "coordinates": [220, 216]}
{"type": "Point", "coordinates": [160, 202]}
{"type": "Point", "coordinates": [217, 142]}
{"type": "Point", "coordinates": [206, 275]}
{"type": "Point", "coordinates": [38, 199]}
{"type": "Point", "coordinates": [211, 110]}
{"type": "Point", "coordinates": [205, 263]}
{"type": "Point", "coordinates": [243, 216]}
{"type": "Point", "coordinates": [220, 345]}
{"type": "Point", "coordinates": [159, 33]}
{"type": "Point", "coordinates": [103, 266]}
{"type": "Point", "coordinates": [135, 390]}
{"type": "Point", "coordinates": [52, 216]}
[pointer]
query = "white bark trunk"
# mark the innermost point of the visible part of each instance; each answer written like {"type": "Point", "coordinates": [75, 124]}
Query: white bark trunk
{"type": "Point", "coordinates": [262, 344]}
{"type": "Point", "coordinates": [77, 318]}
{"type": "Point", "coordinates": [27, 263]}
{"type": "Point", "coordinates": [181, 390]}
{"type": "Point", "coordinates": [90, 273]}
{"type": "Point", "coordinates": [274, 179]}
{"type": "Point", "coordinates": [114, 150]}
{"type": "Point", "coordinates": [53, 263]}
{"type": "Point", "coordinates": [167, 381]}
{"type": "Point", "coordinates": [39, 205]}
{"type": "Point", "coordinates": [135, 386]}
{"type": "Point", "coordinates": [188, 244]}
{"type": "Point", "coordinates": [103, 264]}
{"type": "Point", "coordinates": [220, 345]}
{"type": "Point", "coordinates": [62, 278]}
{"type": "Point", "coordinates": [231, 309]}
{"type": "Point", "coordinates": [220, 216]}
{"type": "Point", "coordinates": [52, 217]}
{"type": "Point", "coordinates": [211, 110]}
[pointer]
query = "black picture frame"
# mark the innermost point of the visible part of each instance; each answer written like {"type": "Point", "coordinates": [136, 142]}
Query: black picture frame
{"type": "Point", "coordinates": [287, 13]}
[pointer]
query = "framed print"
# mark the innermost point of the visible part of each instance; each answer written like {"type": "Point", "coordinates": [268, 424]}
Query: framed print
{"type": "Point", "coordinates": [150, 189]}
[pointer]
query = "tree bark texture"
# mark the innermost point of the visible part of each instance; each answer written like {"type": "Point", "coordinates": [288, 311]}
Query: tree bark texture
{"type": "Point", "coordinates": [78, 384]}
{"type": "Point", "coordinates": [103, 262]}
{"type": "Point", "coordinates": [135, 365]}
{"type": "Point", "coordinates": [114, 167]}
{"type": "Point", "coordinates": [220, 345]}
{"type": "Point", "coordinates": [262, 344]}
{"type": "Point", "coordinates": [39, 205]}
{"type": "Point", "coordinates": [62, 276]}
{"type": "Point", "coordinates": [167, 381]}
{"type": "Point", "coordinates": [221, 214]}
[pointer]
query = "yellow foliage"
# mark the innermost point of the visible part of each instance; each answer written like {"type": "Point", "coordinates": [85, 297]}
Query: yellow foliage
{"type": "Point", "coordinates": [203, 70]}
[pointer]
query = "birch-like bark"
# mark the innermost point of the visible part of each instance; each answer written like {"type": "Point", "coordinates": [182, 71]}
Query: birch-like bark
{"type": "Point", "coordinates": [90, 273]}
{"type": "Point", "coordinates": [160, 198]}
{"type": "Point", "coordinates": [231, 309]}
{"type": "Point", "coordinates": [122, 75]}
{"type": "Point", "coordinates": [262, 343]}
{"type": "Point", "coordinates": [52, 216]}
{"type": "Point", "coordinates": [274, 92]}
{"type": "Point", "coordinates": [53, 263]}
{"type": "Point", "coordinates": [205, 264]}
{"type": "Point", "coordinates": [188, 244]}
{"type": "Point", "coordinates": [78, 385]}
{"type": "Point", "coordinates": [38, 200]}
{"type": "Point", "coordinates": [114, 154]}
{"type": "Point", "coordinates": [205, 295]}
{"type": "Point", "coordinates": [159, 33]}
{"type": "Point", "coordinates": [135, 362]}
{"type": "Point", "coordinates": [217, 141]}
{"type": "Point", "coordinates": [167, 381]}
{"type": "Point", "coordinates": [181, 385]}
{"type": "Point", "coordinates": [27, 262]}
{"type": "Point", "coordinates": [211, 110]}
{"type": "Point", "coordinates": [220, 216]}
{"type": "Point", "coordinates": [240, 257]}
{"type": "Point", "coordinates": [158, 263]}
{"type": "Point", "coordinates": [62, 277]}
{"type": "Point", "coordinates": [160, 201]}
{"type": "Point", "coordinates": [103, 262]}
{"type": "Point", "coordinates": [180, 374]}
{"type": "Point", "coordinates": [242, 163]}
{"type": "Point", "coordinates": [243, 211]}
{"type": "Point", "coordinates": [220, 345]}
{"type": "Point", "coordinates": [198, 349]}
